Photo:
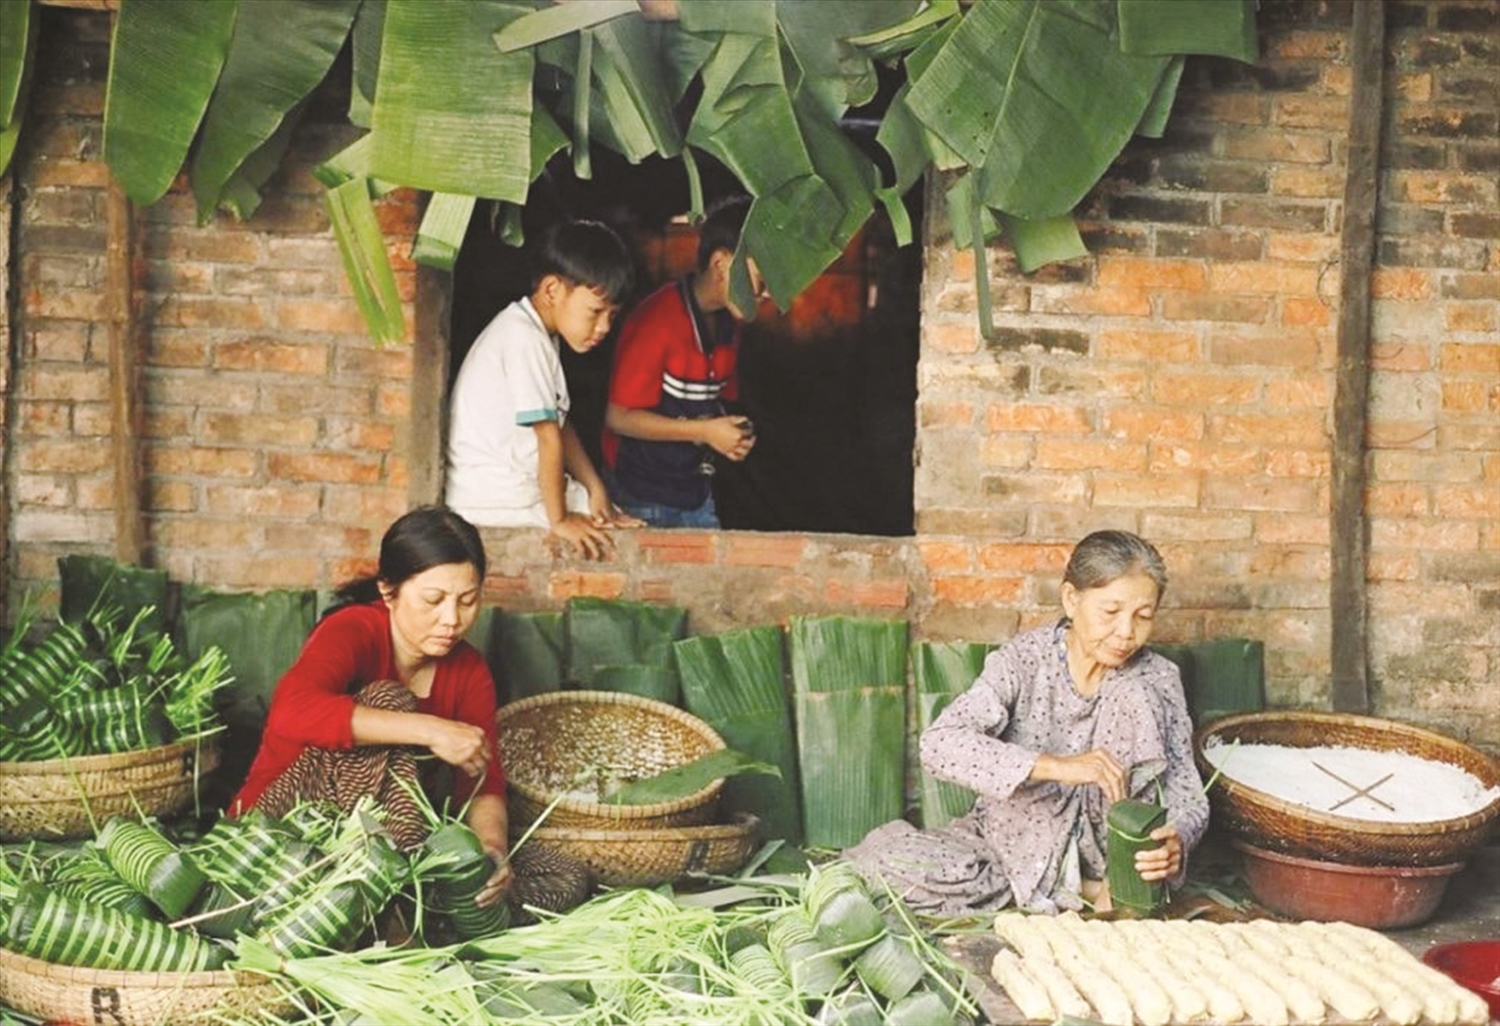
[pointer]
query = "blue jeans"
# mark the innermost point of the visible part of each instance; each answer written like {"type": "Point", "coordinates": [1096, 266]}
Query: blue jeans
{"type": "Point", "coordinates": [655, 514]}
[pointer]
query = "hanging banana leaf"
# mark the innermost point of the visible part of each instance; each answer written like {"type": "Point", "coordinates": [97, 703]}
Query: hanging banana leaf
{"type": "Point", "coordinates": [165, 58]}
{"type": "Point", "coordinates": [442, 231]}
{"type": "Point", "coordinates": [452, 112]}
{"type": "Point", "coordinates": [836, 73]}
{"type": "Point", "coordinates": [1154, 121]}
{"type": "Point", "coordinates": [625, 62]}
{"type": "Point", "coordinates": [1048, 240]}
{"type": "Point", "coordinates": [366, 263]}
{"type": "Point", "coordinates": [1039, 95]}
{"type": "Point", "coordinates": [757, 17]}
{"type": "Point", "coordinates": [910, 34]}
{"type": "Point", "coordinates": [735, 682]}
{"type": "Point", "coordinates": [353, 161]}
{"type": "Point", "coordinates": [1222, 28]}
{"type": "Point", "coordinates": [280, 50]}
{"type": "Point", "coordinates": [18, 32]}
{"type": "Point", "coordinates": [849, 686]}
{"type": "Point", "coordinates": [559, 20]}
{"type": "Point", "coordinates": [940, 671]}
{"type": "Point", "coordinates": [369, 26]}
{"type": "Point", "coordinates": [241, 195]}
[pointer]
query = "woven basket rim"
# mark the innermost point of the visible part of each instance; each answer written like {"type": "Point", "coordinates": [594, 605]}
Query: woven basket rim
{"type": "Point", "coordinates": [601, 810]}
{"type": "Point", "coordinates": [744, 823]}
{"type": "Point", "coordinates": [79, 764]}
{"type": "Point", "coordinates": [1349, 824]}
{"type": "Point", "coordinates": [14, 961]}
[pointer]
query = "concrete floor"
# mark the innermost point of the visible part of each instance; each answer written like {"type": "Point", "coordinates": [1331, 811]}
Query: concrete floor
{"type": "Point", "coordinates": [1470, 909]}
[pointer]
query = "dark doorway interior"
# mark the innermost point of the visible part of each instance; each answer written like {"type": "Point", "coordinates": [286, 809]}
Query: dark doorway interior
{"type": "Point", "coordinates": [830, 383]}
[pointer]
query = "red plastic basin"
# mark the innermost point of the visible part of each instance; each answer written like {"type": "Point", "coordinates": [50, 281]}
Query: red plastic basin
{"type": "Point", "coordinates": [1380, 897]}
{"type": "Point", "coordinates": [1472, 964]}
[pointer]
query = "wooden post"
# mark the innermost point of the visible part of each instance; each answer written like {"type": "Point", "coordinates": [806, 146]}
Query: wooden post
{"type": "Point", "coordinates": [429, 386]}
{"type": "Point", "coordinates": [1348, 528]}
{"type": "Point", "coordinates": [124, 375]}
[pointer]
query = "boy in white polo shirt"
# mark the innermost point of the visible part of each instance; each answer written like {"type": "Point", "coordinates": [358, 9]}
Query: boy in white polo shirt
{"type": "Point", "coordinates": [513, 458]}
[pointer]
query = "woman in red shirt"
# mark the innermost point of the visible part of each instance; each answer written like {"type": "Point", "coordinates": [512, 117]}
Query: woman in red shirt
{"type": "Point", "coordinates": [385, 679]}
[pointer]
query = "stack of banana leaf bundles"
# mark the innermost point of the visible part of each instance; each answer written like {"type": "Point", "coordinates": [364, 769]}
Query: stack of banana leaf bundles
{"type": "Point", "coordinates": [312, 882]}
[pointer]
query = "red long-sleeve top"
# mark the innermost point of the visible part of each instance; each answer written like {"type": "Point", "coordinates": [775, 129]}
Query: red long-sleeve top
{"type": "Point", "coordinates": [313, 705]}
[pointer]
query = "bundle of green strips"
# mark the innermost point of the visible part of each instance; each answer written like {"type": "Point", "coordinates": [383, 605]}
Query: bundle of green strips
{"type": "Point", "coordinates": [103, 684]}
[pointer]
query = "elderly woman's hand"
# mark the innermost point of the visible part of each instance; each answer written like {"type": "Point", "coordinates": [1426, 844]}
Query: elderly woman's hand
{"type": "Point", "coordinates": [1161, 863]}
{"type": "Point", "coordinates": [1097, 767]}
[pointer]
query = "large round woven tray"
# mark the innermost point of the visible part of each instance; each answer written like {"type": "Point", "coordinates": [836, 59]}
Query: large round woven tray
{"type": "Point", "coordinates": [46, 799]}
{"type": "Point", "coordinates": [548, 740]}
{"type": "Point", "coordinates": [70, 994]}
{"type": "Point", "coordinates": [1267, 821]}
{"type": "Point", "coordinates": [645, 858]}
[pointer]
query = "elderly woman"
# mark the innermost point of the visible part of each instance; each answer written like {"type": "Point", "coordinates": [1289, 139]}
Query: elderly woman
{"type": "Point", "coordinates": [1063, 720]}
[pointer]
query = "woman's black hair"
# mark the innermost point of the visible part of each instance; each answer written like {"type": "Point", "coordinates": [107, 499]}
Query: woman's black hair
{"type": "Point", "coordinates": [587, 253]}
{"type": "Point", "coordinates": [426, 537]}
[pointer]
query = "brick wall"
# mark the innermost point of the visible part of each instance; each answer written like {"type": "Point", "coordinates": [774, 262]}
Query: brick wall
{"type": "Point", "coordinates": [1176, 382]}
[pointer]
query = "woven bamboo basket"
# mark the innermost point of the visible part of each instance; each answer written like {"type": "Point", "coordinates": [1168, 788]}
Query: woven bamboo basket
{"type": "Point", "coordinates": [1275, 824]}
{"type": "Point", "coordinates": [46, 799]}
{"type": "Point", "coordinates": [72, 994]}
{"type": "Point", "coordinates": [548, 741]}
{"type": "Point", "coordinates": [645, 858]}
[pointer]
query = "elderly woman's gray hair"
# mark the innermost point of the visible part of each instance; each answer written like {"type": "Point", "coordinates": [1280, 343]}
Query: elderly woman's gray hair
{"type": "Point", "coordinates": [1105, 556]}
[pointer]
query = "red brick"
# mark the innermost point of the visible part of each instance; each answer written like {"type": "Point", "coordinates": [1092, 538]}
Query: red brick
{"type": "Point", "coordinates": [1146, 424]}
{"type": "Point", "coordinates": [1213, 459]}
{"type": "Point", "coordinates": [676, 546]}
{"type": "Point", "coordinates": [43, 419]}
{"type": "Point", "coordinates": [267, 354]}
{"type": "Point", "coordinates": [1396, 357]}
{"type": "Point", "coordinates": [1397, 500]}
{"type": "Point", "coordinates": [1307, 182]}
{"type": "Point", "coordinates": [1414, 87]}
{"type": "Point", "coordinates": [1470, 317]}
{"type": "Point", "coordinates": [62, 172]}
{"type": "Point", "coordinates": [883, 595]}
{"type": "Point", "coordinates": [281, 500]}
{"type": "Point", "coordinates": [94, 420]}
{"type": "Point", "coordinates": [1208, 389]}
{"type": "Point", "coordinates": [375, 362]}
{"type": "Point", "coordinates": [44, 490]}
{"type": "Point", "coordinates": [1285, 348]}
{"type": "Point", "coordinates": [1267, 430]}
{"type": "Point", "coordinates": [1477, 285]}
{"type": "Point", "coordinates": [183, 349]}
{"type": "Point", "coordinates": [393, 400]}
{"type": "Point", "coordinates": [96, 493]}
{"type": "Point", "coordinates": [1231, 108]}
{"type": "Point", "coordinates": [201, 461]}
{"type": "Point", "coordinates": [1291, 529]}
{"type": "Point", "coordinates": [1167, 346]}
{"type": "Point", "coordinates": [1146, 491]}
{"type": "Point", "coordinates": [1263, 279]}
{"type": "Point", "coordinates": [64, 304]}
{"type": "Point", "coordinates": [1298, 312]}
{"type": "Point", "coordinates": [973, 591]}
{"type": "Point", "coordinates": [319, 315]}
{"type": "Point", "coordinates": [1298, 463]}
{"type": "Point", "coordinates": [215, 247]}
{"type": "Point", "coordinates": [372, 436]}
{"type": "Point", "coordinates": [1039, 418]}
{"type": "Point", "coordinates": [1137, 272]}
{"type": "Point", "coordinates": [1305, 391]}
{"type": "Point", "coordinates": [1384, 566]}
{"type": "Point", "coordinates": [1328, 45]}
{"type": "Point", "coordinates": [945, 555]}
{"type": "Point", "coordinates": [1466, 502]}
{"type": "Point", "coordinates": [1053, 454]}
{"type": "Point", "coordinates": [565, 584]}
{"type": "Point", "coordinates": [1400, 283]}
{"type": "Point", "coordinates": [194, 312]}
{"type": "Point", "coordinates": [1442, 535]}
{"type": "Point", "coordinates": [1090, 379]}
{"type": "Point", "coordinates": [1302, 111]}
{"type": "Point", "coordinates": [68, 384]}
{"type": "Point", "coordinates": [957, 339]}
{"type": "Point", "coordinates": [1437, 187]}
{"type": "Point", "coordinates": [961, 264]}
{"type": "Point", "coordinates": [256, 429]}
{"type": "Point", "coordinates": [266, 570]}
{"type": "Point", "coordinates": [1021, 558]}
{"type": "Point", "coordinates": [330, 467]}
{"type": "Point", "coordinates": [659, 590]}
{"type": "Point", "coordinates": [1292, 495]}
{"type": "Point", "coordinates": [1104, 302]}
{"type": "Point", "coordinates": [1280, 147]}
{"type": "Point", "coordinates": [1008, 451]}
{"type": "Point", "coordinates": [62, 457]}
{"type": "Point", "coordinates": [1384, 433]}
{"type": "Point", "coordinates": [1302, 248]}
{"type": "Point", "coordinates": [1467, 357]}
{"type": "Point", "coordinates": [937, 415]}
{"type": "Point", "coordinates": [1184, 306]}
{"type": "Point", "coordinates": [1465, 396]}
{"type": "Point", "coordinates": [784, 550]}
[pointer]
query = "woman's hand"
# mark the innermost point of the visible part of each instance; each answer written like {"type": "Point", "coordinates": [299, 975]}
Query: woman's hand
{"type": "Point", "coordinates": [461, 745]}
{"type": "Point", "coordinates": [1161, 863]}
{"type": "Point", "coordinates": [1097, 767]}
{"type": "Point", "coordinates": [498, 885]}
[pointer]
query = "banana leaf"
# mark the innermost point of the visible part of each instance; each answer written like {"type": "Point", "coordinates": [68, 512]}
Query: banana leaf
{"type": "Point", "coordinates": [1039, 95]}
{"type": "Point", "coordinates": [1221, 677]}
{"type": "Point", "coordinates": [366, 263]}
{"type": "Point", "coordinates": [690, 778]}
{"type": "Point", "coordinates": [910, 34]}
{"type": "Point", "coordinates": [441, 234]}
{"type": "Point", "coordinates": [165, 58]}
{"type": "Point", "coordinates": [451, 112]}
{"type": "Point", "coordinates": [1221, 28]}
{"type": "Point", "coordinates": [241, 194]}
{"type": "Point", "coordinates": [643, 679]}
{"type": "Point", "coordinates": [1154, 122]}
{"type": "Point", "coordinates": [353, 161]}
{"type": "Point", "coordinates": [941, 670]}
{"type": "Point", "coordinates": [625, 61]}
{"type": "Point", "coordinates": [369, 26]}
{"type": "Point", "coordinates": [18, 35]}
{"type": "Point", "coordinates": [735, 682]}
{"type": "Point", "coordinates": [527, 653]}
{"type": "Point", "coordinates": [559, 20]}
{"type": "Point", "coordinates": [849, 690]}
{"type": "Point", "coordinates": [616, 632]}
{"type": "Point", "coordinates": [837, 73]}
{"type": "Point", "coordinates": [1045, 241]}
{"type": "Point", "coordinates": [261, 634]}
{"type": "Point", "coordinates": [280, 50]}
{"type": "Point", "coordinates": [90, 583]}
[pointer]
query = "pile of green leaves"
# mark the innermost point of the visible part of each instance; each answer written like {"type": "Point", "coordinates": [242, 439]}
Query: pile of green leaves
{"type": "Point", "coordinates": [105, 683]}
